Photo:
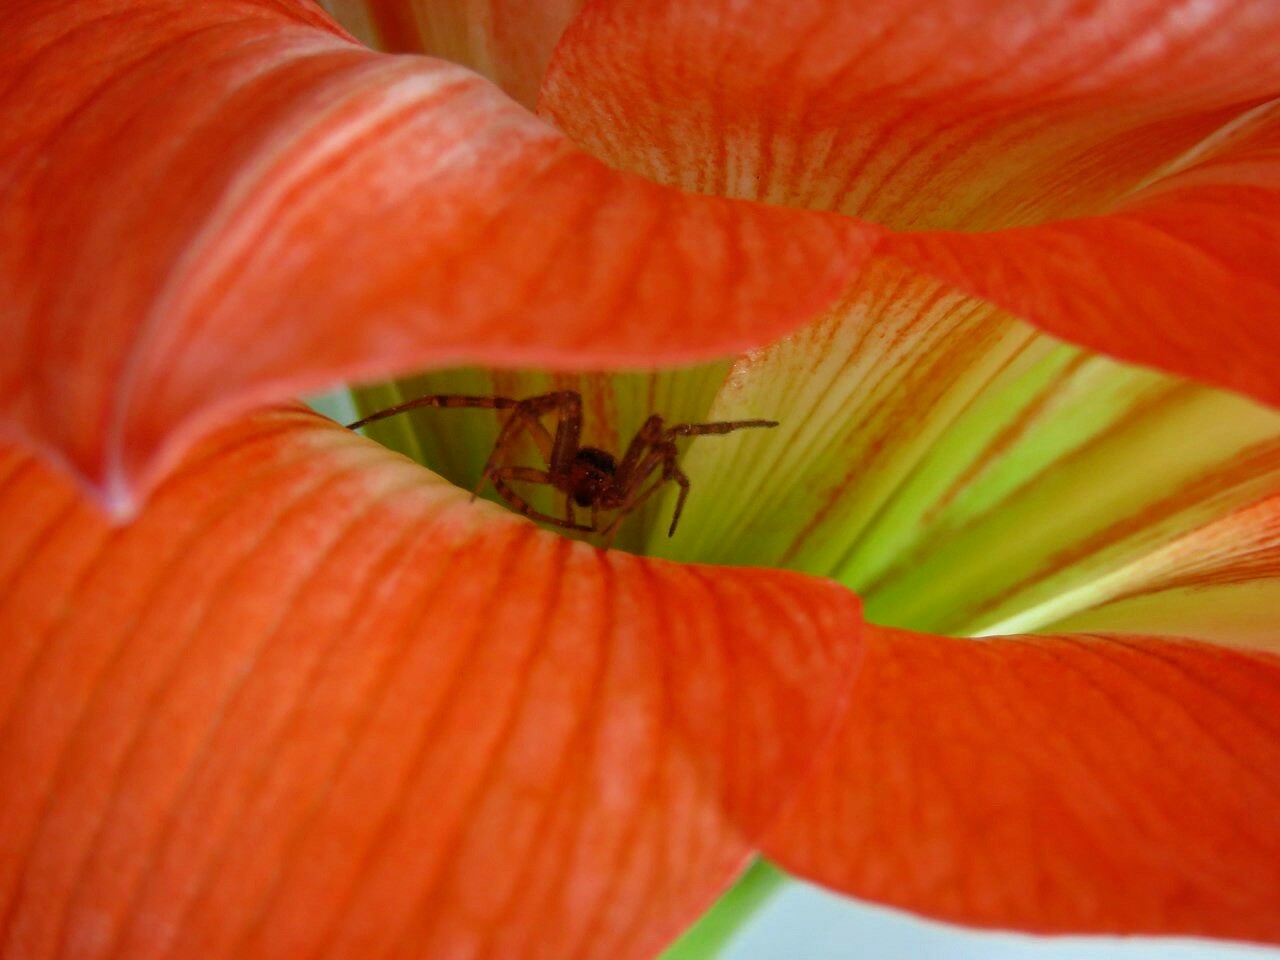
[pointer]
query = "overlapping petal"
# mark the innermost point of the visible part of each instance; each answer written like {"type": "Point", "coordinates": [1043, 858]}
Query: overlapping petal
{"type": "Point", "coordinates": [209, 205]}
{"type": "Point", "coordinates": [1085, 783]}
{"type": "Point", "coordinates": [508, 41]}
{"type": "Point", "coordinates": [314, 703]}
{"type": "Point", "coordinates": [1091, 781]}
{"type": "Point", "coordinates": [977, 118]}
{"type": "Point", "coordinates": [1184, 274]}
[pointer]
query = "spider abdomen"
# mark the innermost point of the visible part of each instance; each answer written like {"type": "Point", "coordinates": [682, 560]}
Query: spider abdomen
{"type": "Point", "coordinates": [591, 475]}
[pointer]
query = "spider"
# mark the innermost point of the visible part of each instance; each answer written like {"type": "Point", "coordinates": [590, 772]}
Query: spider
{"type": "Point", "coordinates": [587, 476]}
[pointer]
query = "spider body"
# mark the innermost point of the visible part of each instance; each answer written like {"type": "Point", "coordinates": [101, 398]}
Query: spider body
{"type": "Point", "coordinates": [588, 477]}
{"type": "Point", "coordinates": [592, 479]}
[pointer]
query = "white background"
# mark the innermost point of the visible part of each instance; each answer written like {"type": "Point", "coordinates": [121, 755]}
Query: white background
{"type": "Point", "coordinates": [802, 922]}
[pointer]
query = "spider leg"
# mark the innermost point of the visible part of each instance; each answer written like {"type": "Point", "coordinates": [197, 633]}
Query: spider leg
{"type": "Point", "coordinates": [523, 474]}
{"type": "Point", "coordinates": [437, 400]}
{"type": "Point", "coordinates": [568, 429]}
{"type": "Point", "coordinates": [558, 451]}
{"type": "Point", "coordinates": [626, 509]}
{"type": "Point", "coordinates": [530, 422]}
{"type": "Point", "coordinates": [541, 436]}
{"type": "Point", "coordinates": [674, 472]}
{"type": "Point", "coordinates": [505, 437]}
{"type": "Point", "coordinates": [648, 434]}
{"type": "Point", "coordinates": [521, 506]}
{"type": "Point", "coordinates": [723, 426]}
{"type": "Point", "coordinates": [663, 455]}
{"type": "Point", "coordinates": [671, 471]}
{"type": "Point", "coordinates": [526, 413]}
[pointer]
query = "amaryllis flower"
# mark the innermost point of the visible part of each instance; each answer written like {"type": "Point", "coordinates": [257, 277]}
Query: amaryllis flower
{"type": "Point", "coordinates": [1006, 273]}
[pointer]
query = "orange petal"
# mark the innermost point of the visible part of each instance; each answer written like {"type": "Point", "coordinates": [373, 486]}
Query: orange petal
{"type": "Point", "coordinates": [211, 205]}
{"type": "Point", "coordinates": [1183, 275]}
{"type": "Point", "coordinates": [980, 115]}
{"type": "Point", "coordinates": [509, 41]}
{"type": "Point", "coordinates": [970, 114]}
{"type": "Point", "coordinates": [1067, 783]}
{"type": "Point", "coordinates": [314, 703]}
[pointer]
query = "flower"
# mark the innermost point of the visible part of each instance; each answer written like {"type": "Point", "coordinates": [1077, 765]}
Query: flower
{"type": "Point", "coordinates": [311, 701]}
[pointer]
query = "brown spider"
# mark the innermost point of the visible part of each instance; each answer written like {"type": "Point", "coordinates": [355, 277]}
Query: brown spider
{"type": "Point", "coordinates": [587, 476]}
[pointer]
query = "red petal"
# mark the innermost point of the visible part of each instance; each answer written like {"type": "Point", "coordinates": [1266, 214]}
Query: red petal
{"type": "Point", "coordinates": [315, 703]}
{"type": "Point", "coordinates": [1071, 783]}
{"type": "Point", "coordinates": [1184, 275]}
{"type": "Point", "coordinates": [980, 115]}
{"type": "Point", "coordinates": [213, 204]}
